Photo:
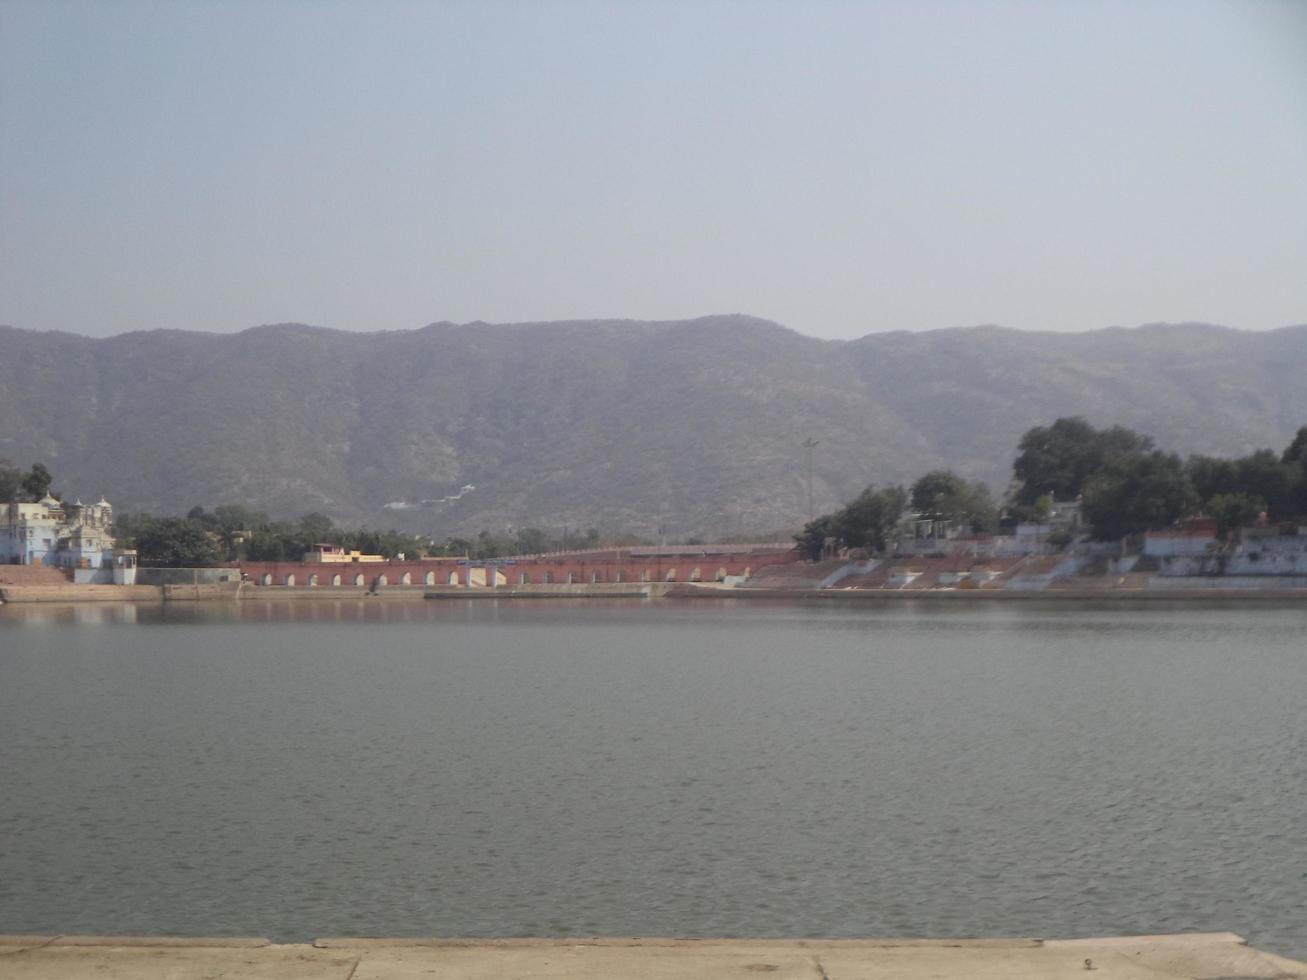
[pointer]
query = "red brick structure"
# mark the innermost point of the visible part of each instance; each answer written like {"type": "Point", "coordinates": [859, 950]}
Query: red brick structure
{"type": "Point", "coordinates": [688, 563]}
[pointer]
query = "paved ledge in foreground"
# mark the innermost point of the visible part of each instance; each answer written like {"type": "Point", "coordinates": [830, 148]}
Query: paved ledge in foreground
{"type": "Point", "coordinates": [1200, 956]}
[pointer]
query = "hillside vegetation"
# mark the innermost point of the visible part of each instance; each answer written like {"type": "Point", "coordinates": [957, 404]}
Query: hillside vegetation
{"type": "Point", "coordinates": [691, 426]}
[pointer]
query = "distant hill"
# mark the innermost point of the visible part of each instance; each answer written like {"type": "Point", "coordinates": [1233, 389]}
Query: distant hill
{"type": "Point", "coordinates": [693, 425]}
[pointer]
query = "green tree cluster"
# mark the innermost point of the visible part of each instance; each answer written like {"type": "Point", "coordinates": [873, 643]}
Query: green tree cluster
{"type": "Point", "coordinates": [942, 495]}
{"type": "Point", "coordinates": [175, 542]}
{"type": "Point", "coordinates": [869, 520]}
{"type": "Point", "coordinates": [1059, 460]}
{"type": "Point", "coordinates": [1275, 479]}
{"type": "Point", "coordinates": [865, 522]}
{"type": "Point", "coordinates": [1127, 486]}
{"type": "Point", "coordinates": [18, 485]}
{"type": "Point", "coordinates": [235, 532]}
{"type": "Point", "coordinates": [1137, 492]}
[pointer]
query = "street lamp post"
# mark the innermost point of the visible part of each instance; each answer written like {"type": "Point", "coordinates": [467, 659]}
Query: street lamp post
{"type": "Point", "coordinates": [810, 444]}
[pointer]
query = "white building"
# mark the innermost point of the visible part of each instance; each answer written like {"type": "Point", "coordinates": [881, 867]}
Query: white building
{"type": "Point", "coordinates": [1189, 539]}
{"type": "Point", "coordinates": [76, 536]}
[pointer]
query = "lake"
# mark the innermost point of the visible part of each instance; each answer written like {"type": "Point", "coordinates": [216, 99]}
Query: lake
{"type": "Point", "coordinates": [637, 768]}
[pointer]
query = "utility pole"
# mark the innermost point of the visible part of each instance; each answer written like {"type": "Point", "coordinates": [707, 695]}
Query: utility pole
{"type": "Point", "coordinates": [810, 444]}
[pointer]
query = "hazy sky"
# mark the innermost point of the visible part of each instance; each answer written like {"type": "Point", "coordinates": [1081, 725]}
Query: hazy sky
{"type": "Point", "coordinates": [840, 167]}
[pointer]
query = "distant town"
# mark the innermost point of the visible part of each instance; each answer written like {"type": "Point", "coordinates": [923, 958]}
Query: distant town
{"type": "Point", "coordinates": [1094, 510]}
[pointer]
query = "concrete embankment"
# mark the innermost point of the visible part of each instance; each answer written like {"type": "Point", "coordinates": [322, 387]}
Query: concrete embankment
{"type": "Point", "coordinates": [118, 593]}
{"type": "Point", "coordinates": [81, 593]}
{"type": "Point", "coordinates": [230, 592]}
{"type": "Point", "coordinates": [1185, 957]}
{"type": "Point", "coordinates": [312, 592]}
{"type": "Point", "coordinates": [1001, 595]}
{"type": "Point", "coordinates": [613, 590]}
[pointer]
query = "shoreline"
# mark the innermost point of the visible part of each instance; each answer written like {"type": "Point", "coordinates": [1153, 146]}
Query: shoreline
{"type": "Point", "coordinates": [153, 594]}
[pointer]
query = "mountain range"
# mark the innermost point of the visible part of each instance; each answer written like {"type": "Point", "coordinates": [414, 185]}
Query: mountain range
{"type": "Point", "coordinates": [694, 427]}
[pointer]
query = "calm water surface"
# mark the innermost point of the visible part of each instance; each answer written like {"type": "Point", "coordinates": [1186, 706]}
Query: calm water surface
{"type": "Point", "coordinates": [713, 768]}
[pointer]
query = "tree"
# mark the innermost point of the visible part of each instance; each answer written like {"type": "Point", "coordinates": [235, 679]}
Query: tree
{"type": "Point", "coordinates": [867, 521]}
{"type": "Point", "coordinates": [458, 547]}
{"type": "Point", "coordinates": [1297, 451]}
{"type": "Point", "coordinates": [317, 526]}
{"type": "Point", "coordinates": [175, 542]}
{"type": "Point", "coordinates": [11, 479]}
{"type": "Point", "coordinates": [236, 524]}
{"type": "Point", "coordinates": [1136, 494]}
{"type": "Point", "coordinates": [238, 517]}
{"type": "Point", "coordinates": [1118, 443]}
{"type": "Point", "coordinates": [1234, 510]}
{"type": "Point", "coordinates": [127, 528]}
{"type": "Point", "coordinates": [942, 495]}
{"type": "Point", "coordinates": [1211, 476]}
{"type": "Point", "coordinates": [388, 544]}
{"type": "Point", "coordinates": [931, 488]}
{"type": "Point", "coordinates": [1300, 492]}
{"type": "Point", "coordinates": [1295, 459]}
{"type": "Point", "coordinates": [36, 484]}
{"type": "Point", "coordinates": [1060, 459]}
{"type": "Point", "coordinates": [1263, 474]}
{"type": "Point", "coordinates": [203, 517]}
{"type": "Point", "coordinates": [1042, 508]}
{"type": "Point", "coordinates": [1034, 513]}
{"type": "Point", "coordinates": [489, 546]}
{"type": "Point", "coordinates": [266, 546]}
{"type": "Point", "coordinates": [812, 539]}
{"type": "Point", "coordinates": [864, 523]}
{"type": "Point", "coordinates": [531, 541]}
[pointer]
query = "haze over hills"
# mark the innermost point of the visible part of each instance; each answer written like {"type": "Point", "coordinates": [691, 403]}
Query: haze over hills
{"type": "Point", "coordinates": [694, 426]}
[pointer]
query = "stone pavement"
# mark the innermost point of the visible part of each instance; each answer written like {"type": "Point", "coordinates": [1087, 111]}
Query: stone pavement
{"type": "Point", "coordinates": [1210, 956]}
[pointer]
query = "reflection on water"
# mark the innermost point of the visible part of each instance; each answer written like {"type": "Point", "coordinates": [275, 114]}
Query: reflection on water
{"type": "Point", "coordinates": [499, 767]}
{"type": "Point", "coordinates": [936, 614]}
{"type": "Point", "coordinates": [86, 613]}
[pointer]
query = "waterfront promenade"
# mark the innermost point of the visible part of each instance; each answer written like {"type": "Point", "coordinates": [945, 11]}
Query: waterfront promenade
{"type": "Point", "coordinates": [1209, 956]}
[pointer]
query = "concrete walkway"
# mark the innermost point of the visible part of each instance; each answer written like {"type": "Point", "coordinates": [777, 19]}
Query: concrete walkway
{"type": "Point", "coordinates": [1212, 956]}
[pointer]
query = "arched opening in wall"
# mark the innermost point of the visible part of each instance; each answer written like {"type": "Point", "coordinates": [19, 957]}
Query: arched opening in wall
{"type": "Point", "coordinates": [313, 579]}
{"type": "Point", "coordinates": [290, 578]}
{"type": "Point", "coordinates": [645, 576]}
{"type": "Point", "coordinates": [265, 578]}
{"type": "Point", "coordinates": [571, 578]}
{"type": "Point", "coordinates": [406, 579]}
{"type": "Point", "coordinates": [380, 582]}
{"type": "Point", "coordinates": [747, 571]}
{"type": "Point", "coordinates": [358, 579]}
{"type": "Point", "coordinates": [453, 579]}
{"type": "Point", "coordinates": [671, 575]}
{"type": "Point", "coordinates": [721, 575]}
{"type": "Point", "coordinates": [335, 579]}
{"type": "Point", "coordinates": [696, 575]}
{"type": "Point", "coordinates": [523, 578]}
{"type": "Point", "coordinates": [548, 578]}
{"type": "Point", "coordinates": [595, 578]}
{"type": "Point", "coordinates": [620, 577]}
{"type": "Point", "coordinates": [429, 578]}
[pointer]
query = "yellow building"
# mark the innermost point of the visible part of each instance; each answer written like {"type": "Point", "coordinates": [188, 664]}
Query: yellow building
{"type": "Point", "coordinates": [332, 553]}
